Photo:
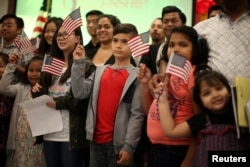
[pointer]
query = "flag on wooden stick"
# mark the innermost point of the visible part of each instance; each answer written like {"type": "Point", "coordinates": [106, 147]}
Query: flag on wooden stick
{"type": "Point", "coordinates": [139, 45]}
{"type": "Point", "coordinates": [72, 21]}
{"type": "Point", "coordinates": [179, 66]}
{"type": "Point", "coordinates": [52, 65]}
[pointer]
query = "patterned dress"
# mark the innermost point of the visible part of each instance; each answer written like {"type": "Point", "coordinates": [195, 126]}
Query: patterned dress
{"type": "Point", "coordinates": [217, 137]}
{"type": "Point", "coordinates": [5, 112]}
{"type": "Point", "coordinates": [26, 154]}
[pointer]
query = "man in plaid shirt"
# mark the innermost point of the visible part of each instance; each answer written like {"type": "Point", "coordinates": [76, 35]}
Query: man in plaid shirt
{"type": "Point", "coordinates": [11, 27]}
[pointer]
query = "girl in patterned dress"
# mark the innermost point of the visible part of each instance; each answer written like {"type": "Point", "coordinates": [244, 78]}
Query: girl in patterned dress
{"type": "Point", "coordinates": [21, 148]}
{"type": "Point", "coordinates": [215, 126]}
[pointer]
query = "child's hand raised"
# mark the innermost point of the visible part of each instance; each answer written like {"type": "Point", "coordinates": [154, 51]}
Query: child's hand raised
{"type": "Point", "coordinates": [79, 52]}
{"type": "Point", "coordinates": [13, 58]}
{"type": "Point", "coordinates": [162, 89]}
{"type": "Point", "coordinates": [154, 83]}
{"type": "Point", "coordinates": [144, 74]}
{"type": "Point", "coordinates": [36, 88]}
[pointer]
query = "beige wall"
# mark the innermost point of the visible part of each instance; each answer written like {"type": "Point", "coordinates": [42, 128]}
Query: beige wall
{"type": "Point", "coordinates": [3, 7]}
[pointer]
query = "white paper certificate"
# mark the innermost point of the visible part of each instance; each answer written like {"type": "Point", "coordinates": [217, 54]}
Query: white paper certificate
{"type": "Point", "coordinates": [42, 119]}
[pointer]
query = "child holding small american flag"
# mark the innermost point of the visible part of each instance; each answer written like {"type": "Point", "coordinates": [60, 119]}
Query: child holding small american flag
{"type": "Point", "coordinates": [22, 149]}
{"type": "Point", "coordinates": [68, 147]}
{"type": "Point", "coordinates": [115, 117]}
{"type": "Point", "coordinates": [185, 52]}
{"type": "Point", "coordinates": [214, 128]}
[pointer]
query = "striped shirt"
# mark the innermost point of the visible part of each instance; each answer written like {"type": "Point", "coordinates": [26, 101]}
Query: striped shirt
{"type": "Point", "coordinates": [229, 44]}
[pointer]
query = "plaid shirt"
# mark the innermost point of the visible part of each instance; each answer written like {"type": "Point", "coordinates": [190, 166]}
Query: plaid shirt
{"type": "Point", "coordinates": [229, 44]}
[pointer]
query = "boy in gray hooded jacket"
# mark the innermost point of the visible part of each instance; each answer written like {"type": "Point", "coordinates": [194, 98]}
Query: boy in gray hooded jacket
{"type": "Point", "coordinates": [115, 116]}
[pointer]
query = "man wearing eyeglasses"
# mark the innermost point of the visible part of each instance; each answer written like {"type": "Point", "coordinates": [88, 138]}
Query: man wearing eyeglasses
{"type": "Point", "coordinates": [11, 27]}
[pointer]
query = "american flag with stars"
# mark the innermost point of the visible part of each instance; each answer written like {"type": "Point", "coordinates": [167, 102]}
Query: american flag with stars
{"type": "Point", "coordinates": [22, 42]}
{"type": "Point", "coordinates": [52, 65]}
{"type": "Point", "coordinates": [179, 66]}
{"type": "Point", "coordinates": [139, 45]}
{"type": "Point", "coordinates": [34, 46]}
{"type": "Point", "coordinates": [72, 21]}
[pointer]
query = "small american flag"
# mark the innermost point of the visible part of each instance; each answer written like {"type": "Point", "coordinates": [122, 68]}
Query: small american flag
{"type": "Point", "coordinates": [52, 65]}
{"type": "Point", "coordinates": [179, 66]}
{"type": "Point", "coordinates": [22, 41]}
{"type": "Point", "coordinates": [34, 46]}
{"type": "Point", "coordinates": [139, 45]}
{"type": "Point", "coordinates": [72, 21]}
{"type": "Point", "coordinates": [17, 40]}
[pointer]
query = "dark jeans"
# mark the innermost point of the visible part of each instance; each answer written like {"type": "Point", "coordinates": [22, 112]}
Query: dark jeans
{"type": "Point", "coordinates": [141, 151]}
{"type": "Point", "coordinates": [3, 158]}
{"type": "Point", "coordinates": [57, 154]}
{"type": "Point", "coordinates": [103, 155]}
{"type": "Point", "coordinates": [163, 155]}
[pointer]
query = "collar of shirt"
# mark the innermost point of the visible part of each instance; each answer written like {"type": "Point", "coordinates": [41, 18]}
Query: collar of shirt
{"type": "Point", "coordinates": [223, 14]}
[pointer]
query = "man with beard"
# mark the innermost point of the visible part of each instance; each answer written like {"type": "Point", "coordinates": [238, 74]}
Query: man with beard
{"type": "Point", "coordinates": [171, 17]}
{"type": "Point", "coordinates": [156, 32]}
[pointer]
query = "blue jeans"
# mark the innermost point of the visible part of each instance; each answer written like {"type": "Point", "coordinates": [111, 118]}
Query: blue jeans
{"type": "Point", "coordinates": [57, 154]}
{"type": "Point", "coordinates": [103, 155]}
{"type": "Point", "coordinates": [164, 155]}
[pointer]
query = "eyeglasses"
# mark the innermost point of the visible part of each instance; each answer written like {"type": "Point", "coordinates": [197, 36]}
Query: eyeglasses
{"type": "Point", "coordinates": [64, 35]}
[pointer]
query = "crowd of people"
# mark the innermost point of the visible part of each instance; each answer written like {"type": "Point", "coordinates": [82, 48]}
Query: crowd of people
{"type": "Point", "coordinates": [118, 111]}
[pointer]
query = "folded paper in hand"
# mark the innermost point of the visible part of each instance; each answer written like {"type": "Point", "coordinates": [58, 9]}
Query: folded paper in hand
{"type": "Point", "coordinates": [42, 119]}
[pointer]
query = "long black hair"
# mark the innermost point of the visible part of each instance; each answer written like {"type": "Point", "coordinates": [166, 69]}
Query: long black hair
{"type": "Point", "coordinates": [212, 78]}
{"type": "Point", "coordinates": [44, 47]}
{"type": "Point", "coordinates": [58, 53]}
{"type": "Point", "coordinates": [200, 46]}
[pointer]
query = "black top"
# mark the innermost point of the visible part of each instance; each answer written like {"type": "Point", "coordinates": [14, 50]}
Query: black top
{"type": "Point", "coordinates": [199, 121]}
{"type": "Point", "coordinates": [90, 47]}
{"type": "Point", "coordinates": [150, 59]}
